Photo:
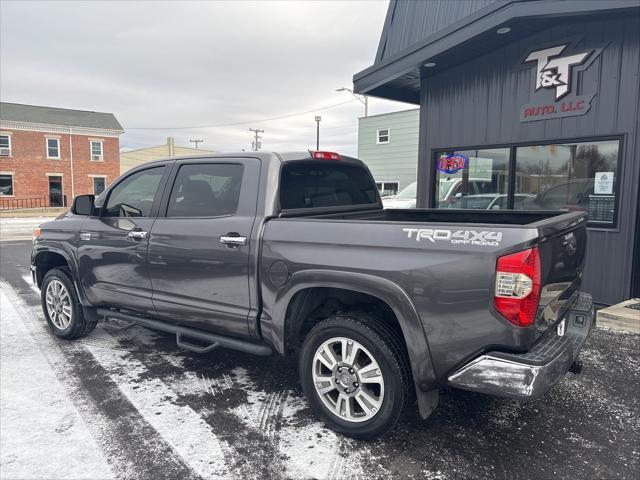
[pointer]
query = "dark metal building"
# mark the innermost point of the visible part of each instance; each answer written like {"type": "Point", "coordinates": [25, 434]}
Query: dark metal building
{"type": "Point", "coordinates": [526, 104]}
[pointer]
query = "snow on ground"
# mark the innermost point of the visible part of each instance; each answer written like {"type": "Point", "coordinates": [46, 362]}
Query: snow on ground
{"type": "Point", "coordinates": [37, 415]}
{"type": "Point", "coordinates": [130, 404]}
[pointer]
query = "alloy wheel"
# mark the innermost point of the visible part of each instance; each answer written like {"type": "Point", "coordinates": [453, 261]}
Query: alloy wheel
{"type": "Point", "coordinates": [348, 379]}
{"type": "Point", "coordinates": [58, 304]}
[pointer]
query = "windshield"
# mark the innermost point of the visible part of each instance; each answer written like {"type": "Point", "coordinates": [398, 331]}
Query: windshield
{"type": "Point", "coordinates": [318, 184]}
{"type": "Point", "coordinates": [408, 193]}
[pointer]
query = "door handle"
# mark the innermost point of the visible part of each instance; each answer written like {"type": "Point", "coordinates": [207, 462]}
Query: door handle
{"type": "Point", "coordinates": [137, 234]}
{"type": "Point", "coordinates": [233, 241]}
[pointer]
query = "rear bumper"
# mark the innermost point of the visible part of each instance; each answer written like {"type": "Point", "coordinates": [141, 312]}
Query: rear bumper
{"type": "Point", "coordinates": [527, 375]}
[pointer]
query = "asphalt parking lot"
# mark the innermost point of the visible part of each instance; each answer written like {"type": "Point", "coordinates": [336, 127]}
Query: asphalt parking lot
{"type": "Point", "coordinates": [130, 404]}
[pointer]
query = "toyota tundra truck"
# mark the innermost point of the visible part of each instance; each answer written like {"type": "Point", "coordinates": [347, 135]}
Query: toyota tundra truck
{"type": "Point", "coordinates": [293, 254]}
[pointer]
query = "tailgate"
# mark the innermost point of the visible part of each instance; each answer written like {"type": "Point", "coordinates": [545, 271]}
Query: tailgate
{"type": "Point", "coordinates": [562, 252]}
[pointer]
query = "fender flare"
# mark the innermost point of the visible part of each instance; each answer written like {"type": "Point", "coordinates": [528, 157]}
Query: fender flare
{"type": "Point", "coordinates": [387, 291]}
{"type": "Point", "coordinates": [73, 267]}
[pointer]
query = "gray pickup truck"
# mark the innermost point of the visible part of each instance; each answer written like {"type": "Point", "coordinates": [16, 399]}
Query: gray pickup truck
{"type": "Point", "coordinates": [292, 253]}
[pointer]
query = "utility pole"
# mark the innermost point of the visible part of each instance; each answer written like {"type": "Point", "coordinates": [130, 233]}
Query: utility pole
{"type": "Point", "coordinates": [256, 143]}
{"type": "Point", "coordinates": [196, 141]}
{"type": "Point", "coordinates": [318, 118]}
{"type": "Point", "coordinates": [363, 98]}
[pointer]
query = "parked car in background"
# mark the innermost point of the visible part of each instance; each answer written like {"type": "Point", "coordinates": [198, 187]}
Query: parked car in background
{"type": "Point", "coordinates": [492, 201]}
{"type": "Point", "coordinates": [406, 198]}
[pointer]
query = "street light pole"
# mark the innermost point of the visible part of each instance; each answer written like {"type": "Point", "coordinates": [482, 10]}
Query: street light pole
{"type": "Point", "coordinates": [363, 98]}
{"type": "Point", "coordinates": [318, 118]}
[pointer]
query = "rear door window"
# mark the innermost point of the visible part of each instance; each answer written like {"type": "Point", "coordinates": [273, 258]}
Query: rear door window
{"type": "Point", "coordinates": [206, 190]}
{"type": "Point", "coordinates": [317, 185]}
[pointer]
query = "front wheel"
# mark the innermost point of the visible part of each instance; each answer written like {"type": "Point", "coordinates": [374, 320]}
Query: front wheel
{"type": "Point", "coordinates": [355, 374]}
{"type": "Point", "coordinates": [61, 306]}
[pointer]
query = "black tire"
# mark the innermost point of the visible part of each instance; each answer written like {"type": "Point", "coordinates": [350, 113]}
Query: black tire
{"type": "Point", "coordinates": [79, 325]}
{"type": "Point", "coordinates": [387, 347]}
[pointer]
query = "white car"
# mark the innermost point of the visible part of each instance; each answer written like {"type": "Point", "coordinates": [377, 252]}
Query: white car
{"type": "Point", "coordinates": [406, 198]}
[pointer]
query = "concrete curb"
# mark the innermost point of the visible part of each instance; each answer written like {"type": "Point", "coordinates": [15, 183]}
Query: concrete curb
{"type": "Point", "coordinates": [620, 317]}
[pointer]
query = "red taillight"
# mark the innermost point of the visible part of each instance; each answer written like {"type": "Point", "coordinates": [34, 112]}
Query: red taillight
{"type": "Point", "coordinates": [518, 286]}
{"type": "Point", "coordinates": [325, 155]}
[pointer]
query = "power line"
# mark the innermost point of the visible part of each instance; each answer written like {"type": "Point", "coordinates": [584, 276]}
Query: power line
{"type": "Point", "coordinates": [256, 143]}
{"type": "Point", "coordinates": [281, 117]}
{"type": "Point", "coordinates": [196, 141]}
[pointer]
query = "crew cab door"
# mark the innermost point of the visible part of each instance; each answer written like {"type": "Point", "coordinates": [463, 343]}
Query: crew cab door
{"type": "Point", "coordinates": [112, 248]}
{"type": "Point", "coordinates": [199, 248]}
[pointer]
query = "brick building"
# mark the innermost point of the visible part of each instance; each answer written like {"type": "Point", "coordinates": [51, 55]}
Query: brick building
{"type": "Point", "coordinates": [49, 155]}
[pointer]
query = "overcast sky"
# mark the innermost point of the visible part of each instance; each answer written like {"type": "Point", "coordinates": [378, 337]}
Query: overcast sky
{"type": "Point", "coordinates": [168, 64]}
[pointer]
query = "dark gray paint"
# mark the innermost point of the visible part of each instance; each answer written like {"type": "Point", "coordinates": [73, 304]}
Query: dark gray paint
{"type": "Point", "coordinates": [398, 76]}
{"type": "Point", "coordinates": [478, 104]}
{"type": "Point", "coordinates": [410, 21]}
{"type": "Point", "coordinates": [440, 292]}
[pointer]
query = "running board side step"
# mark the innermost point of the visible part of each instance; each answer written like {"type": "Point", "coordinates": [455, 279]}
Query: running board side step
{"type": "Point", "coordinates": [212, 339]}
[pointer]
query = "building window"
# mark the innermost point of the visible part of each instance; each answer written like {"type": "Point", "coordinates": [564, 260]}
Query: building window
{"type": "Point", "coordinates": [472, 178]}
{"type": "Point", "coordinates": [570, 176]}
{"type": "Point", "coordinates": [386, 188]}
{"type": "Point", "coordinates": [562, 176]}
{"type": "Point", "coordinates": [53, 148]}
{"type": "Point", "coordinates": [383, 135]}
{"type": "Point", "coordinates": [96, 150]}
{"type": "Point", "coordinates": [99, 184]}
{"type": "Point", "coordinates": [5, 145]}
{"type": "Point", "coordinates": [6, 184]}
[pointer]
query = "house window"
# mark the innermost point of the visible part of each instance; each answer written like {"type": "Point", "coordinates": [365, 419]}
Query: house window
{"type": "Point", "coordinates": [383, 135]}
{"type": "Point", "coordinates": [386, 188]}
{"type": "Point", "coordinates": [53, 148]}
{"type": "Point", "coordinates": [574, 176]}
{"type": "Point", "coordinates": [99, 184]}
{"type": "Point", "coordinates": [96, 150]}
{"type": "Point", "coordinates": [5, 145]}
{"type": "Point", "coordinates": [6, 184]}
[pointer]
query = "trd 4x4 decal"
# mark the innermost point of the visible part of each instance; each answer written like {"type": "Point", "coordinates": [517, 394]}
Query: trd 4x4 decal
{"type": "Point", "coordinates": [481, 238]}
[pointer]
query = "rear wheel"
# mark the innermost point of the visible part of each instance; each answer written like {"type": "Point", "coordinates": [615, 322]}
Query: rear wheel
{"type": "Point", "coordinates": [61, 306]}
{"type": "Point", "coordinates": [355, 374]}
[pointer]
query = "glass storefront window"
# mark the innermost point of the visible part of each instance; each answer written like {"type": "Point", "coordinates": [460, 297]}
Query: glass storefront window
{"type": "Point", "coordinates": [569, 176]}
{"type": "Point", "coordinates": [562, 176]}
{"type": "Point", "coordinates": [480, 183]}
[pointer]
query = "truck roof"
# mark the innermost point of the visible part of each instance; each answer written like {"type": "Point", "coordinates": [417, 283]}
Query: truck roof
{"type": "Point", "coordinates": [265, 156]}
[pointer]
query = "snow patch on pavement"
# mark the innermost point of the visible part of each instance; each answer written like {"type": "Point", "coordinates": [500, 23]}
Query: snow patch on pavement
{"type": "Point", "coordinates": [36, 413]}
{"type": "Point", "coordinates": [190, 436]}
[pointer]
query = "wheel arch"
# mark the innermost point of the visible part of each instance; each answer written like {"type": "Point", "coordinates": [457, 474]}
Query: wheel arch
{"type": "Point", "coordinates": [379, 288]}
{"type": "Point", "coordinates": [46, 259]}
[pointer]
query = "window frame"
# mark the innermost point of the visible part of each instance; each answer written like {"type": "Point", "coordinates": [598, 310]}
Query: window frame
{"type": "Point", "coordinates": [164, 209]}
{"type": "Point", "coordinates": [378, 142]}
{"type": "Point", "coordinates": [10, 147]}
{"type": "Point", "coordinates": [46, 144]}
{"type": "Point", "coordinates": [93, 183]}
{"type": "Point", "coordinates": [153, 212]}
{"type": "Point", "coordinates": [13, 184]}
{"type": "Point", "coordinates": [383, 182]}
{"type": "Point", "coordinates": [101, 143]}
{"type": "Point", "coordinates": [511, 184]}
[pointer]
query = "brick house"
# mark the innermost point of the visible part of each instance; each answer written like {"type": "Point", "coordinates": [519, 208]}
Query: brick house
{"type": "Point", "coordinates": [49, 155]}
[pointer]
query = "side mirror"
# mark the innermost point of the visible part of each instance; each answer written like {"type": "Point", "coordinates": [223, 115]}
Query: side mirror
{"type": "Point", "coordinates": [83, 205]}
